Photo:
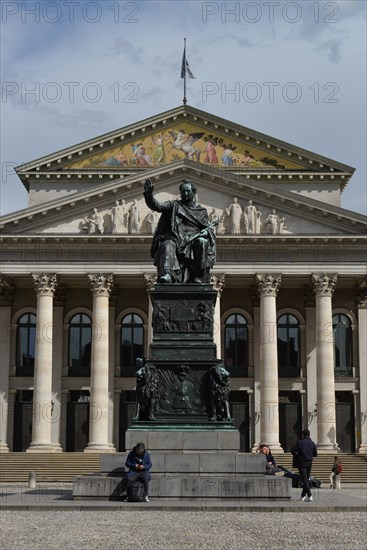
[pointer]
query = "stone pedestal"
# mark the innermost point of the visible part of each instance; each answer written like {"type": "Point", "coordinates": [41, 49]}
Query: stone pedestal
{"type": "Point", "coordinates": [175, 385]}
{"type": "Point", "coordinates": [194, 477]}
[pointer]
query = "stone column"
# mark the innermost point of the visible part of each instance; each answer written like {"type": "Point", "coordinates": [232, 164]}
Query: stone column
{"type": "Point", "coordinates": [111, 368]}
{"type": "Point", "coordinates": [99, 379]}
{"type": "Point", "coordinates": [45, 285]}
{"type": "Point", "coordinates": [310, 309]}
{"type": "Point", "coordinates": [116, 418]}
{"type": "Point", "coordinates": [268, 286]}
{"type": "Point", "coordinates": [218, 282]}
{"type": "Point", "coordinates": [255, 343]}
{"type": "Point", "coordinates": [362, 351]}
{"type": "Point", "coordinates": [324, 285]}
{"type": "Point", "coordinates": [150, 279]}
{"type": "Point", "coordinates": [58, 330]}
{"type": "Point", "coordinates": [6, 300]}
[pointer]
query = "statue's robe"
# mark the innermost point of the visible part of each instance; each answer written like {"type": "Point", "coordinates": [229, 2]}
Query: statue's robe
{"type": "Point", "coordinates": [178, 222]}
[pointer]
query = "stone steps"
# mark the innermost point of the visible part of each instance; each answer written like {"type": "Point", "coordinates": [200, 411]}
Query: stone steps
{"type": "Point", "coordinates": [62, 467]}
{"type": "Point", "coordinates": [49, 467]}
{"type": "Point", "coordinates": [354, 466]}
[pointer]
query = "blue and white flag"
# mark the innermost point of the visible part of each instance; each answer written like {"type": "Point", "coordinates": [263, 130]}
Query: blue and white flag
{"type": "Point", "coordinates": [185, 67]}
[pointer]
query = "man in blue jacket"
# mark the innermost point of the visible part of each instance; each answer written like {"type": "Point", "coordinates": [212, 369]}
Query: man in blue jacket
{"type": "Point", "coordinates": [303, 453]}
{"type": "Point", "coordinates": [139, 463]}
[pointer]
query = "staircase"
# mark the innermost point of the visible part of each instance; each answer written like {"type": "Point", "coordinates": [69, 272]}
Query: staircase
{"type": "Point", "coordinates": [62, 467]}
{"type": "Point", "coordinates": [49, 467]}
{"type": "Point", "coordinates": [354, 466]}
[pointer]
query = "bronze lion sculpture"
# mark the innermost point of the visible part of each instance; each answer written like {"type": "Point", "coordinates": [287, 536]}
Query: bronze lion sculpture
{"type": "Point", "coordinates": [219, 393]}
{"type": "Point", "coordinates": [147, 392]}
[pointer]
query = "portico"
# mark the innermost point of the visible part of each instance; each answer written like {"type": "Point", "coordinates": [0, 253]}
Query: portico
{"type": "Point", "coordinates": [289, 318]}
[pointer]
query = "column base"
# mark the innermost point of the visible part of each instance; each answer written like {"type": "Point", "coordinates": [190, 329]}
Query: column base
{"type": "Point", "coordinates": [327, 449]}
{"type": "Point", "coordinates": [4, 448]}
{"type": "Point", "coordinates": [276, 448]}
{"type": "Point", "coordinates": [363, 448]}
{"type": "Point", "coordinates": [100, 448]}
{"type": "Point", "coordinates": [42, 448]}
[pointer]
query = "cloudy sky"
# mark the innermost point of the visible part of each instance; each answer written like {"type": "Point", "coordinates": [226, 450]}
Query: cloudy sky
{"type": "Point", "coordinates": [72, 70]}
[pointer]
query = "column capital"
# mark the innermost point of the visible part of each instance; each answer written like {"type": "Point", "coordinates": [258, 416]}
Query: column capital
{"type": "Point", "coordinates": [218, 280]}
{"type": "Point", "coordinates": [361, 293]}
{"type": "Point", "coordinates": [268, 283]}
{"type": "Point", "coordinates": [101, 284]}
{"type": "Point", "coordinates": [45, 283]}
{"type": "Point", "coordinates": [324, 283]}
{"type": "Point", "coordinates": [6, 291]}
{"type": "Point", "coordinates": [150, 279]}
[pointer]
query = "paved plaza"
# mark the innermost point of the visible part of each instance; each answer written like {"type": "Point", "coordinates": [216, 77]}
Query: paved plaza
{"type": "Point", "coordinates": [181, 530]}
{"type": "Point", "coordinates": [48, 518]}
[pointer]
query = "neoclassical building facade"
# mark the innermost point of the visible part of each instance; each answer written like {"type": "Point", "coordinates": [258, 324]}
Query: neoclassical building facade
{"type": "Point", "coordinates": [290, 275]}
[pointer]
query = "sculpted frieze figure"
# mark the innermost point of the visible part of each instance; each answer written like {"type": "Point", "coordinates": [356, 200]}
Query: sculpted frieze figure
{"type": "Point", "coordinates": [119, 217]}
{"type": "Point", "coordinates": [251, 219]}
{"type": "Point", "coordinates": [184, 242]}
{"type": "Point", "coordinates": [274, 223]}
{"type": "Point", "coordinates": [234, 212]}
{"type": "Point", "coordinates": [152, 221]}
{"type": "Point", "coordinates": [134, 218]}
{"type": "Point", "coordinates": [94, 223]}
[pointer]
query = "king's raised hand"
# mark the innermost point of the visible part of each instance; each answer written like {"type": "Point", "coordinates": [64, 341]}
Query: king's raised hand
{"type": "Point", "coordinates": [148, 186]}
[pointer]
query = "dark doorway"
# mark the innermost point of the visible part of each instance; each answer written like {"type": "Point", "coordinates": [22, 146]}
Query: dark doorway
{"type": "Point", "coordinates": [23, 409]}
{"type": "Point", "coordinates": [290, 418]}
{"type": "Point", "coordinates": [127, 411]}
{"type": "Point", "coordinates": [77, 431]}
{"type": "Point", "coordinates": [345, 427]}
{"type": "Point", "coordinates": [239, 406]}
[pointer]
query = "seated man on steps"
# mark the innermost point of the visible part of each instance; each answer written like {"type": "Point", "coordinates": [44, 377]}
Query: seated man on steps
{"type": "Point", "coordinates": [139, 463]}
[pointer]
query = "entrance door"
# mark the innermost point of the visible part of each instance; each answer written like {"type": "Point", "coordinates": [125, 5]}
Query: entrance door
{"type": "Point", "coordinates": [77, 433]}
{"type": "Point", "coordinates": [23, 410]}
{"type": "Point", "coordinates": [239, 408]}
{"type": "Point", "coordinates": [22, 426]}
{"type": "Point", "coordinates": [345, 426]}
{"type": "Point", "coordinates": [290, 419]}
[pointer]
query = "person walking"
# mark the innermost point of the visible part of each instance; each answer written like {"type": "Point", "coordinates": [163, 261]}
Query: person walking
{"type": "Point", "coordinates": [335, 474]}
{"type": "Point", "coordinates": [303, 453]}
{"type": "Point", "coordinates": [139, 463]}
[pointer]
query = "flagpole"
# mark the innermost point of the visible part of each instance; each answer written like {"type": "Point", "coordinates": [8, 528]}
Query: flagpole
{"type": "Point", "coordinates": [184, 99]}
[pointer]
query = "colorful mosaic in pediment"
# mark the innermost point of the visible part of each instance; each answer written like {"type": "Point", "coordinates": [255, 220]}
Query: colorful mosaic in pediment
{"type": "Point", "coordinates": [180, 141]}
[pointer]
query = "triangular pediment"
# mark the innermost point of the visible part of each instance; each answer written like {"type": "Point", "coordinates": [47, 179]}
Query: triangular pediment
{"type": "Point", "coordinates": [273, 212]}
{"type": "Point", "coordinates": [182, 133]}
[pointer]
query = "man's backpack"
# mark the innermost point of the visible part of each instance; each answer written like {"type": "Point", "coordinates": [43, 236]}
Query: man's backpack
{"type": "Point", "coordinates": [136, 491]}
{"type": "Point", "coordinates": [340, 468]}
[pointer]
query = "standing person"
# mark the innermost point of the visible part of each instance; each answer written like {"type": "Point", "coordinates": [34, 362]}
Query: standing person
{"type": "Point", "coordinates": [139, 463]}
{"type": "Point", "coordinates": [335, 474]}
{"type": "Point", "coordinates": [304, 452]}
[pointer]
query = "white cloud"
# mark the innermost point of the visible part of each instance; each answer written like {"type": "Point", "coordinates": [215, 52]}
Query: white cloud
{"type": "Point", "coordinates": [142, 60]}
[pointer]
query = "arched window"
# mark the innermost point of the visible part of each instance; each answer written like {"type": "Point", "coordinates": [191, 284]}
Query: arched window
{"type": "Point", "coordinates": [25, 344]}
{"type": "Point", "coordinates": [288, 346]}
{"type": "Point", "coordinates": [236, 344]}
{"type": "Point", "coordinates": [80, 344]}
{"type": "Point", "coordinates": [343, 345]}
{"type": "Point", "coordinates": [132, 342]}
